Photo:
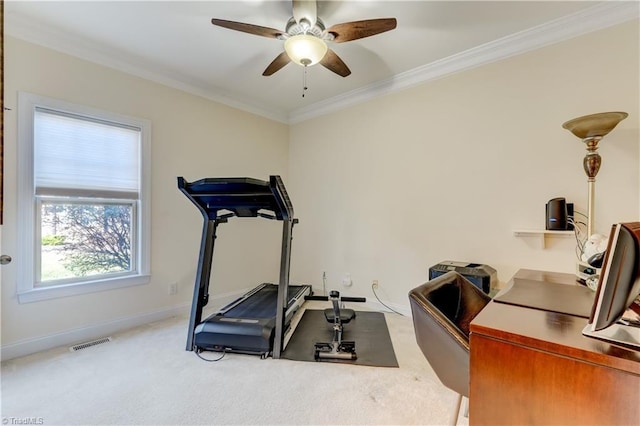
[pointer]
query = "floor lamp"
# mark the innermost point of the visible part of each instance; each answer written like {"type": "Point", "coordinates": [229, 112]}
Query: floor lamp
{"type": "Point", "coordinates": [591, 129]}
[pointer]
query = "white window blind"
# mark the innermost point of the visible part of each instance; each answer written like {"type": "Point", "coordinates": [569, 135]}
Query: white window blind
{"type": "Point", "coordinates": [77, 155]}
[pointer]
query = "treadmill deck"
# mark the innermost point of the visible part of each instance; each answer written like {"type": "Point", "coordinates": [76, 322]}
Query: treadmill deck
{"type": "Point", "coordinates": [247, 325]}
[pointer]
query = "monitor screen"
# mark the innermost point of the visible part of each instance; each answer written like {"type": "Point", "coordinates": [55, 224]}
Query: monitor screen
{"type": "Point", "coordinates": [619, 283]}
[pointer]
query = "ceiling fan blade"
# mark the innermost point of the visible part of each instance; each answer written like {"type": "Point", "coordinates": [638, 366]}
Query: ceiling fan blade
{"type": "Point", "coordinates": [360, 29]}
{"type": "Point", "coordinates": [305, 9]}
{"type": "Point", "coordinates": [332, 62]}
{"type": "Point", "coordinates": [248, 28]}
{"type": "Point", "coordinates": [280, 61]}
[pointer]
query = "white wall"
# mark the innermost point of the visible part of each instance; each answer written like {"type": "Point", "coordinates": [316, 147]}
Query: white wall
{"type": "Point", "coordinates": [443, 171]}
{"type": "Point", "coordinates": [447, 170]}
{"type": "Point", "coordinates": [191, 137]}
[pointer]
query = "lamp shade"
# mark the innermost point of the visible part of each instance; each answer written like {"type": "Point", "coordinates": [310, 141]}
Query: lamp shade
{"type": "Point", "coordinates": [594, 125]}
{"type": "Point", "coordinates": [305, 50]}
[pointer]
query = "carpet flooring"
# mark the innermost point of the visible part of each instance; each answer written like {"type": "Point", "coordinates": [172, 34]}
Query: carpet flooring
{"type": "Point", "coordinates": [145, 377]}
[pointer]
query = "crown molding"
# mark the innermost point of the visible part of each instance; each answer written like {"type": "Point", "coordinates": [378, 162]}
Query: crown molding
{"type": "Point", "coordinates": [598, 17]}
{"type": "Point", "coordinates": [24, 29]}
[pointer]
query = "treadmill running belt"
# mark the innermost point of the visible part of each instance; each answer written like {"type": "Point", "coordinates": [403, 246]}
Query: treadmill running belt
{"type": "Point", "coordinates": [249, 326]}
{"type": "Point", "coordinates": [261, 304]}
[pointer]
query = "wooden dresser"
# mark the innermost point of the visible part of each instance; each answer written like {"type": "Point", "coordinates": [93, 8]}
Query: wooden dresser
{"type": "Point", "coordinates": [533, 367]}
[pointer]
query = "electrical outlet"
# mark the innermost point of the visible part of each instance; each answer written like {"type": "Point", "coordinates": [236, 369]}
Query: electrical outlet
{"type": "Point", "coordinates": [173, 289]}
{"type": "Point", "coordinates": [374, 285]}
{"type": "Point", "coordinates": [346, 281]}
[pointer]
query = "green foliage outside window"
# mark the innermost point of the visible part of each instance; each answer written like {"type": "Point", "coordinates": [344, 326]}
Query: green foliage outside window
{"type": "Point", "coordinates": [86, 239]}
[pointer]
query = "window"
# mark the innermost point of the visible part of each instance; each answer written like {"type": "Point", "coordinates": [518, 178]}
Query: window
{"type": "Point", "coordinates": [83, 199]}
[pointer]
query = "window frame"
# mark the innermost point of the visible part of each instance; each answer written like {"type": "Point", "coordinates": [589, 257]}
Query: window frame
{"type": "Point", "coordinates": [27, 286]}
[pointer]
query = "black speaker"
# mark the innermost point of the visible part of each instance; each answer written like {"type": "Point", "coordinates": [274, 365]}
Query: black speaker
{"type": "Point", "coordinates": [557, 215]}
{"type": "Point", "coordinates": [482, 276]}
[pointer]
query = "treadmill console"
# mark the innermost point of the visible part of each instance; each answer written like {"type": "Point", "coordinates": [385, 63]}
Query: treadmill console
{"type": "Point", "coordinates": [242, 197]}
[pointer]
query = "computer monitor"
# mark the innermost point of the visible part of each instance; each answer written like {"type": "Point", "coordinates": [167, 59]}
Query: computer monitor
{"type": "Point", "coordinates": [619, 285]}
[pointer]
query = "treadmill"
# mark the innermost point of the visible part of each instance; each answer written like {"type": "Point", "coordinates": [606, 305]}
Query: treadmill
{"type": "Point", "coordinates": [259, 321]}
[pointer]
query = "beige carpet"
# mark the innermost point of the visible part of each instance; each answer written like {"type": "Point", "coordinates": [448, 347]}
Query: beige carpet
{"type": "Point", "coordinates": [144, 376]}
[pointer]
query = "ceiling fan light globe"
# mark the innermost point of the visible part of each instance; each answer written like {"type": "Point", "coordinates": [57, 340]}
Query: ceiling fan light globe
{"type": "Point", "coordinates": [305, 50]}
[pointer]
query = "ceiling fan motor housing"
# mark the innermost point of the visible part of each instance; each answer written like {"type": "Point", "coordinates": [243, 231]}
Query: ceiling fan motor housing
{"type": "Point", "coordinates": [293, 28]}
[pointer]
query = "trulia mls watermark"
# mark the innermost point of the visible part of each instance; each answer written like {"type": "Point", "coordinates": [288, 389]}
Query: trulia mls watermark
{"type": "Point", "coordinates": [22, 420]}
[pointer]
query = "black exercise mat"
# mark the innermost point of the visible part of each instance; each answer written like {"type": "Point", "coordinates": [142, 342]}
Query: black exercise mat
{"type": "Point", "coordinates": [368, 329]}
{"type": "Point", "coordinates": [568, 299]}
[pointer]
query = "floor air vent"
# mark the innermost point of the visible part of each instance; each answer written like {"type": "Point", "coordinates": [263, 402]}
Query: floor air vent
{"type": "Point", "coordinates": [86, 345]}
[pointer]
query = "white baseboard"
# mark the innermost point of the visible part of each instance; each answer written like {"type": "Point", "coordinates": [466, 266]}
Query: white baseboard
{"type": "Point", "coordinates": [70, 337]}
{"type": "Point", "coordinates": [94, 331]}
{"type": "Point", "coordinates": [390, 307]}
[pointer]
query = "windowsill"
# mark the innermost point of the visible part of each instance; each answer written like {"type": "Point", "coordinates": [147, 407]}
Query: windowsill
{"type": "Point", "coordinates": [46, 293]}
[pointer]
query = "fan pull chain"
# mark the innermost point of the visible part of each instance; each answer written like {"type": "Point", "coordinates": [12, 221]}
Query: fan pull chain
{"type": "Point", "coordinates": [304, 81]}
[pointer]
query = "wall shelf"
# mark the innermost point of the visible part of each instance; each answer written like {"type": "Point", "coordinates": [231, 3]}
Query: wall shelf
{"type": "Point", "coordinates": [541, 234]}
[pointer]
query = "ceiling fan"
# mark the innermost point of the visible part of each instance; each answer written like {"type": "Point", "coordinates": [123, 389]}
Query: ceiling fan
{"type": "Point", "coordinates": [305, 37]}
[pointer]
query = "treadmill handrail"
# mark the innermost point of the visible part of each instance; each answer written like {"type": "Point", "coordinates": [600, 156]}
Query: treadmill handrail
{"type": "Point", "coordinates": [281, 196]}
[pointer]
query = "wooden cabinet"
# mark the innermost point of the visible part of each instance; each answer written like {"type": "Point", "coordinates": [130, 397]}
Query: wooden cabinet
{"type": "Point", "coordinates": [534, 367]}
